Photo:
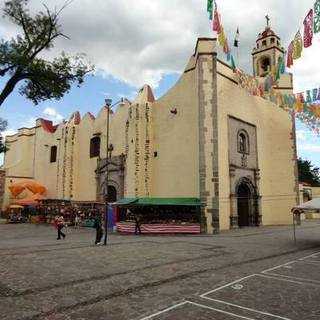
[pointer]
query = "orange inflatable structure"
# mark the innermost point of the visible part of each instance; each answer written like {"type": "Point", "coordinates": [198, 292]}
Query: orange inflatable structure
{"type": "Point", "coordinates": [36, 189]}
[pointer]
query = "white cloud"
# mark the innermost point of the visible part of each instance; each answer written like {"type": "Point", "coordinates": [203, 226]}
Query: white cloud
{"type": "Point", "coordinates": [8, 132]}
{"type": "Point", "coordinates": [53, 115]}
{"type": "Point", "coordinates": [309, 147]}
{"type": "Point", "coordinates": [29, 123]}
{"type": "Point", "coordinates": [301, 135]}
{"type": "Point", "coordinates": [138, 42]}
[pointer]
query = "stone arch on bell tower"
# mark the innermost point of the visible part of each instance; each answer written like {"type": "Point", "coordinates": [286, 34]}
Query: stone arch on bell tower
{"type": "Point", "coordinates": [267, 52]}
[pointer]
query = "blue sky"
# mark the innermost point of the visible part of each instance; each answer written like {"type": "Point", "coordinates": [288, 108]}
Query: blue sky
{"type": "Point", "coordinates": [128, 53]}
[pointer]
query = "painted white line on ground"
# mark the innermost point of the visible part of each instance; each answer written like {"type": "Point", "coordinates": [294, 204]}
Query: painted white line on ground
{"type": "Point", "coordinates": [310, 256]}
{"type": "Point", "coordinates": [248, 309]}
{"type": "Point", "coordinates": [165, 310]}
{"type": "Point", "coordinates": [226, 285]}
{"type": "Point", "coordinates": [310, 261]}
{"type": "Point", "coordinates": [280, 266]}
{"type": "Point", "coordinates": [306, 280]}
{"type": "Point", "coordinates": [269, 276]}
{"type": "Point", "coordinates": [219, 310]}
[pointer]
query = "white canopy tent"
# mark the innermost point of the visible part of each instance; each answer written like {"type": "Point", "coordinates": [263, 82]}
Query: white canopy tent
{"type": "Point", "coordinates": [312, 205]}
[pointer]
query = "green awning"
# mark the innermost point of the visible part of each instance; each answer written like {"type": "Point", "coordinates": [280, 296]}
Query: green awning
{"type": "Point", "coordinates": [126, 201]}
{"type": "Point", "coordinates": [159, 202]}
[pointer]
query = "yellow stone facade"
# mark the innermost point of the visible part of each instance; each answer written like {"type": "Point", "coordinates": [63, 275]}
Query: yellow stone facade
{"type": "Point", "coordinates": [174, 147]}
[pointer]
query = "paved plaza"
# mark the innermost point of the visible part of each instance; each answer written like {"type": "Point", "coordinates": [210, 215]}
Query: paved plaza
{"type": "Point", "coordinates": [256, 273]}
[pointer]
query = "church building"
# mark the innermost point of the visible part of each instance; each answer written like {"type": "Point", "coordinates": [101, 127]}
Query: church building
{"type": "Point", "coordinates": [206, 141]}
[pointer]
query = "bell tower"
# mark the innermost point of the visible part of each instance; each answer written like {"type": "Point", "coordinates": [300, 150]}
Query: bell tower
{"type": "Point", "coordinates": [267, 51]}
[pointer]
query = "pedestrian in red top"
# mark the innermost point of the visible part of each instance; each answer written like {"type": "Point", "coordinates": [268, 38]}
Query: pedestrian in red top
{"type": "Point", "coordinates": [59, 222]}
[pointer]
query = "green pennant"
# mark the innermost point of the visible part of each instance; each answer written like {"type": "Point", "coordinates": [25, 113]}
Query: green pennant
{"type": "Point", "coordinates": [210, 8]}
{"type": "Point", "coordinates": [317, 17]}
{"type": "Point", "coordinates": [233, 65]}
{"type": "Point", "coordinates": [281, 68]}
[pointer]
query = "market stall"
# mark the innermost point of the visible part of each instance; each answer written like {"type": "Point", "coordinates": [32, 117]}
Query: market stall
{"type": "Point", "coordinates": [15, 214]}
{"type": "Point", "coordinates": [159, 215]}
{"type": "Point", "coordinates": [87, 210]}
{"type": "Point", "coordinates": [310, 206]}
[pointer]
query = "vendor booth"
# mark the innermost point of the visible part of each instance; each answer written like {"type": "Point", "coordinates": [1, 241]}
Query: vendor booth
{"type": "Point", "coordinates": [159, 215]}
{"type": "Point", "coordinates": [312, 206]}
{"type": "Point", "coordinates": [16, 214]}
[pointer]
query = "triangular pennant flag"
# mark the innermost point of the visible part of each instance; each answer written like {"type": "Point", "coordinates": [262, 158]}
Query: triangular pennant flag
{"type": "Point", "coordinates": [216, 24]}
{"type": "Point", "coordinates": [233, 65]}
{"type": "Point", "coordinates": [300, 97]}
{"type": "Point", "coordinates": [316, 24]}
{"type": "Point", "coordinates": [226, 48]}
{"type": "Point", "coordinates": [309, 98]}
{"type": "Point", "coordinates": [297, 46]}
{"type": "Point", "coordinates": [222, 38]}
{"type": "Point", "coordinates": [210, 8]}
{"type": "Point", "coordinates": [314, 94]}
{"type": "Point", "coordinates": [308, 29]}
{"type": "Point", "coordinates": [236, 39]}
{"type": "Point", "coordinates": [290, 54]}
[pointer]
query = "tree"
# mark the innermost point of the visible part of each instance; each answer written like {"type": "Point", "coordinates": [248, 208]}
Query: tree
{"type": "Point", "coordinates": [308, 172]}
{"type": "Point", "coordinates": [3, 126]}
{"type": "Point", "coordinates": [20, 61]}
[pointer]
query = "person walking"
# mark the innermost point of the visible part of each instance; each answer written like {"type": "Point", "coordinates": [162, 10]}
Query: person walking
{"type": "Point", "coordinates": [98, 226]}
{"type": "Point", "coordinates": [77, 221]}
{"type": "Point", "coordinates": [60, 224]}
{"type": "Point", "coordinates": [137, 220]}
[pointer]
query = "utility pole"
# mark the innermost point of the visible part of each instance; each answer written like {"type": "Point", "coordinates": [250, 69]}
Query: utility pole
{"type": "Point", "coordinates": [109, 107]}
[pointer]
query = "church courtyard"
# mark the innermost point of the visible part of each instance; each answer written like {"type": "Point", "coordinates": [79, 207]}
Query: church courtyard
{"type": "Point", "coordinates": [252, 273]}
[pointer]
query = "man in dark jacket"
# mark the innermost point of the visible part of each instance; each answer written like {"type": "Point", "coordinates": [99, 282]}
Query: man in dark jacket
{"type": "Point", "coordinates": [98, 226]}
{"type": "Point", "coordinates": [137, 220]}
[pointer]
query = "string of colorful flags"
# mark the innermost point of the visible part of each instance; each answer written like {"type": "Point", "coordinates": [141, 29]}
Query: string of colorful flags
{"type": "Point", "coordinates": [311, 25]}
{"type": "Point", "coordinates": [305, 106]}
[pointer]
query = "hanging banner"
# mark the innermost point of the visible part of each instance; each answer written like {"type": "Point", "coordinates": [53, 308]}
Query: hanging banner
{"type": "Point", "coordinates": [304, 106]}
{"type": "Point", "coordinates": [210, 8]}
{"type": "Point", "coordinates": [290, 55]}
{"type": "Point", "coordinates": [308, 30]}
{"type": "Point", "coordinates": [297, 46]}
{"type": "Point", "coordinates": [216, 24]}
{"type": "Point", "coordinates": [316, 24]}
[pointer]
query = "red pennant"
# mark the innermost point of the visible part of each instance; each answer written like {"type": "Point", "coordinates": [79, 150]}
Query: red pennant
{"type": "Point", "coordinates": [290, 55]}
{"type": "Point", "coordinates": [216, 24]}
{"type": "Point", "coordinates": [308, 29]}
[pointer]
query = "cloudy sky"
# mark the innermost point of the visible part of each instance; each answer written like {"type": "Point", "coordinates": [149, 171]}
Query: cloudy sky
{"type": "Point", "coordinates": [136, 42]}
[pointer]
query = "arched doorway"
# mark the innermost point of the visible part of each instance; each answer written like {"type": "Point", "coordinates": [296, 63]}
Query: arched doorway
{"type": "Point", "coordinates": [112, 194]}
{"type": "Point", "coordinates": [244, 197]}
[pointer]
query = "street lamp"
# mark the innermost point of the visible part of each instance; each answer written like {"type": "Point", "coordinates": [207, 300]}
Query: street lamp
{"type": "Point", "coordinates": [109, 106]}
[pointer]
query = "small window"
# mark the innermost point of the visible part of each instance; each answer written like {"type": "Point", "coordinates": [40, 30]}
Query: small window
{"type": "Point", "coordinates": [273, 40]}
{"type": "Point", "coordinates": [264, 42]}
{"type": "Point", "coordinates": [243, 142]}
{"type": "Point", "coordinates": [278, 43]}
{"type": "Point", "coordinates": [95, 147]}
{"type": "Point", "coordinates": [53, 154]}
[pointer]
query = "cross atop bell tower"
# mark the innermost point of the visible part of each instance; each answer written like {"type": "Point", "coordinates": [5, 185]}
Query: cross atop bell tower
{"type": "Point", "coordinates": [268, 21]}
{"type": "Point", "coordinates": [267, 52]}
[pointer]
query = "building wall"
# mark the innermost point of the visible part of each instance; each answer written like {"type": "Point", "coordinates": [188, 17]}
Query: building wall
{"type": "Point", "coordinates": [175, 139]}
{"type": "Point", "coordinates": [2, 186]}
{"type": "Point", "coordinates": [315, 192]}
{"type": "Point", "coordinates": [275, 150]}
{"type": "Point", "coordinates": [187, 129]}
